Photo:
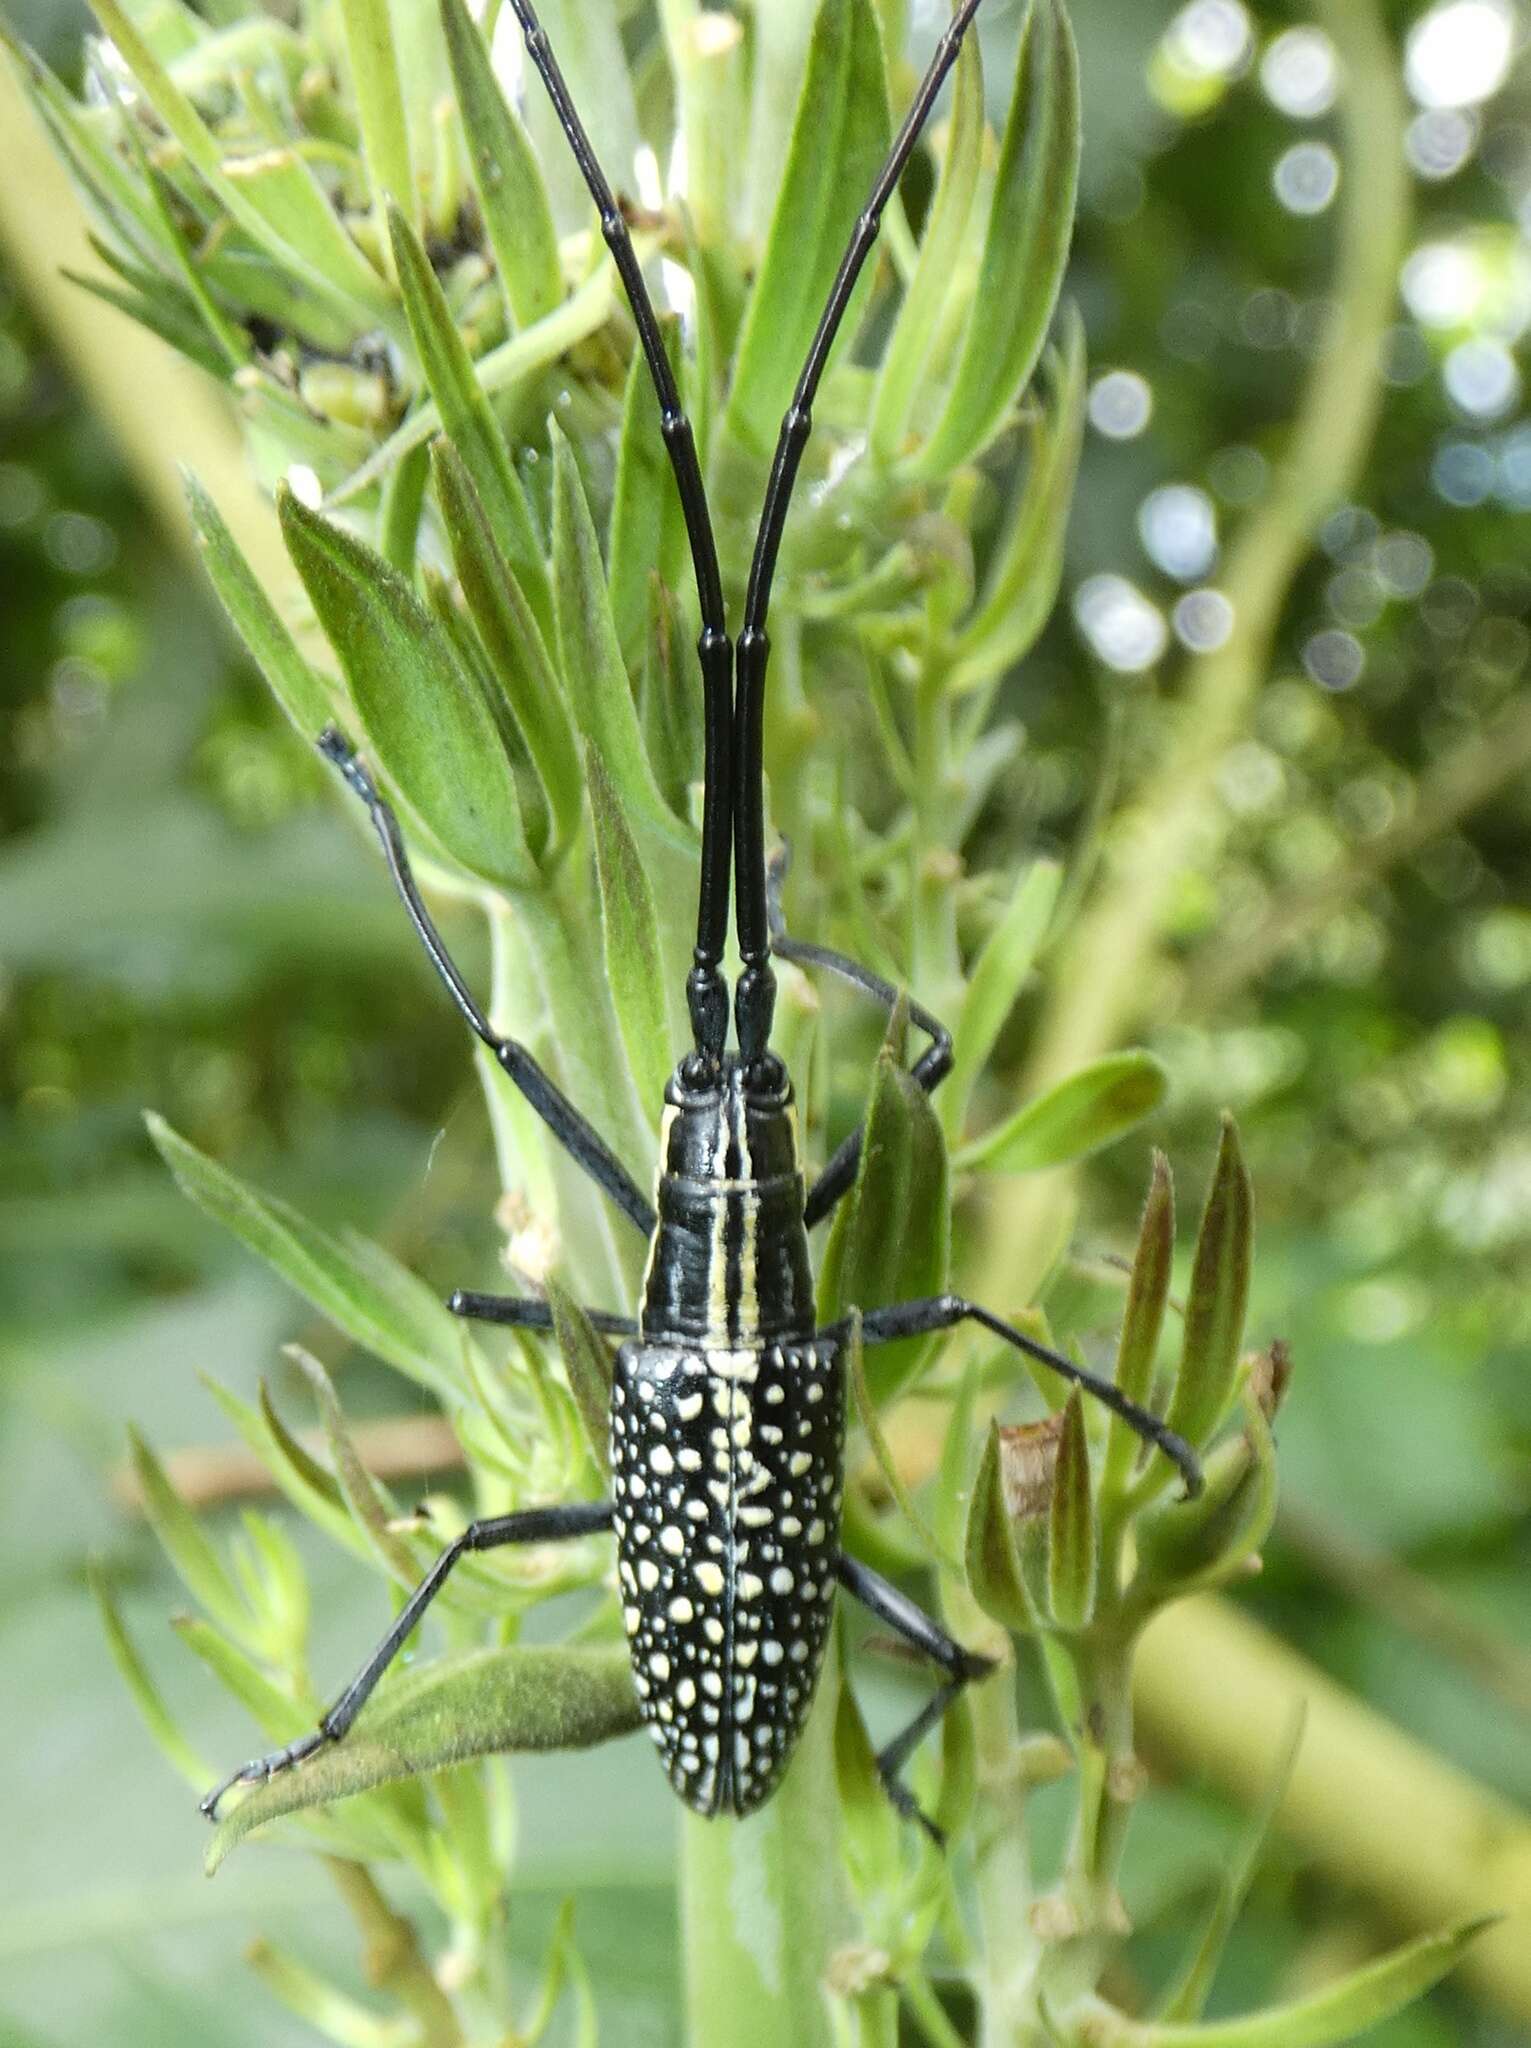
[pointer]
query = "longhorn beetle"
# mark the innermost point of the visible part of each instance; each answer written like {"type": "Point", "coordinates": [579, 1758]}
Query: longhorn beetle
{"type": "Point", "coordinates": [728, 1403]}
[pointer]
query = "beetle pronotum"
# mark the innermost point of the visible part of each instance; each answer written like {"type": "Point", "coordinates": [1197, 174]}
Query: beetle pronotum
{"type": "Point", "coordinates": [728, 1402]}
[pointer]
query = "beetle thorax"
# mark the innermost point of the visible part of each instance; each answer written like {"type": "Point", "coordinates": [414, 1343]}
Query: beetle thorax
{"type": "Point", "coordinates": [728, 1267]}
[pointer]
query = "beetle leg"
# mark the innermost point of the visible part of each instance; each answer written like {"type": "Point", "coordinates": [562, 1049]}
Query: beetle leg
{"type": "Point", "coordinates": [961, 1666]}
{"type": "Point", "coordinates": [945, 1311]}
{"type": "Point", "coordinates": [533, 1525]}
{"type": "Point", "coordinates": [518, 1312]}
{"type": "Point", "coordinates": [575, 1133]}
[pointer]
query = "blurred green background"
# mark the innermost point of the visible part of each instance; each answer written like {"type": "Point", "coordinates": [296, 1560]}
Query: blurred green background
{"type": "Point", "coordinates": [188, 922]}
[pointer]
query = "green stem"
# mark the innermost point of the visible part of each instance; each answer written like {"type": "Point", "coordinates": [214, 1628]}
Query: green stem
{"type": "Point", "coordinates": [1003, 1876]}
{"type": "Point", "coordinates": [1105, 971]}
{"type": "Point", "coordinates": [764, 1905]}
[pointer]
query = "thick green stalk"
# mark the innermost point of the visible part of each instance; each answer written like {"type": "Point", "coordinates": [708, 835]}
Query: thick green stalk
{"type": "Point", "coordinates": [764, 1905]}
{"type": "Point", "coordinates": [1011, 1951]}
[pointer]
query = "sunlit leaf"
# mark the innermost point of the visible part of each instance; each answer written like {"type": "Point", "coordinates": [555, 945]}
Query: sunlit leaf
{"type": "Point", "coordinates": [506, 174]}
{"type": "Point", "coordinates": [407, 1327]}
{"type": "Point", "coordinates": [1031, 223]}
{"type": "Point", "coordinates": [433, 732]}
{"type": "Point", "coordinates": [839, 139]}
{"type": "Point", "coordinates": [368, 27]}
{"type": "Point", "coordinates": [999, 974]}
{"type": "Point", "coordinates": [1092, 1108]}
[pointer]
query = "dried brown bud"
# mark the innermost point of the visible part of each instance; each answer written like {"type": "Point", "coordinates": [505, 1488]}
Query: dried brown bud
{"type": "Point", "coordinates": [1028, 1464]}
{"type": "Point", "coordinates": [1270, 1374]}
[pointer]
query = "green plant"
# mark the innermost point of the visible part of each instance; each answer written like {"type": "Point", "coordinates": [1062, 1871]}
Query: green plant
{"type": "Point", "coordinates": [402, 289]}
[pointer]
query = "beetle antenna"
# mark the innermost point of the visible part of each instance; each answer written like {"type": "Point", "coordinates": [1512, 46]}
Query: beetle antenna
{"type": "Point", "coordinates": [756, 994]}
{"type": "Point", "coordinates": [706, 991]}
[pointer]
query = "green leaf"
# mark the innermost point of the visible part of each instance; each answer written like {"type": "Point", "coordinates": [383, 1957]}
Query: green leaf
{"type": "Point", "coordinates": [165, 315]}
{"type": "Point", "coordinates": [906, 362]}
{"type": "Point", "coordinates": [587, 35]}
{"type": "Point", "coordinates": [467, 418]}
{"type": "Point", "coordinates": [95, 166]}
{"type": "Point", "coordinates": [1334, 2014]}
{"type": "Point", "coordinates": [839, 139]}
{"type": "Point", "coordinates": [305, 1484]}
{"type": "Point", "coordinates": [1090, 1109]}
{"type": "Point", "coordinates": [294, 684]}
{"type": "Point", "coordinates": [591, 656]}
{"type": "Point", "coordinates": [1071, 1529]}
{"type": "Point", "coordinates": [197, 1564]}
{"type": "Point", "coordinates": [780, 35]}
{"type": "Point", "coordinates": [1187, 1997]}
{"type": "Point", "coordinates": [513, 641]}
{"type": "Point", "coordinates": [635, 969]}
{"type": "Point", "coordinates": [1187, 1546]}
{"type": "Point", "coordinates": [321, 2006]}
{"type": "Point", "coordinates": [882, 1454]}
{"type": "Point", "coordinates": [1031, 222]}
{"type": "Point", "coordinates": [999, 974]}
{"type": "Point", "coordinates": [429, 724]}
{"type": "Point", "coordinates": [379, 103]}
{"type": "Point", "coordinates": [402, 1324]}
{"type": "Point", "coordinates": [647, 531]}
{"type": "Point", "coordinates": [279, 1716]}
{"type": "Point", "coordinates": [156, 1716]}
{"type": "Point", "coordinates": [476, 1703]}
{"type": "Point", "coordinates": [993, 1562]}
{"type": "Point", "coordinates": [506, 372]}
{"type": "Point", "coordinates": [1143, 1318]}
{"type": "Point", "coordinates": [587, 1361]}
{"type": "Point", "coordinates": [372, 1510]}
{"type": "Point", "coordinates": [1218, 1297]}
{"type": "Point", "coordinates": [870, 1823]}
{"type": "Point", "coordinates": [891, 1238]}
{"type": "Point", "coordinates": [513, 198]}
{"type": "Point", "coordinates": [1021, 586]}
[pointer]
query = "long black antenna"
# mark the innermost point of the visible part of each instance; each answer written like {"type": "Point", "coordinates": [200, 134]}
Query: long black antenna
{"type": "Point", "coordinates": [706, 990]}
{"type": "Point", "coordinates": [755, 997]}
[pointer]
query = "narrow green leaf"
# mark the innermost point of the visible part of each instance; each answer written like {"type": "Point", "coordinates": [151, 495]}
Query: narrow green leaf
{"type": "Point", "coordinates": [95, 166]}
{"type": "Point", "coordinates": [1218, 1297]}
{"type": "Point", "coordinates": [993, 1562]}
{"type": "Point", "coordinates": [906, 362]}
{"type": "Point", "coordinates": [467, 418]}
{"type": "Point", "coordinates": [379, 104]}
{"type": "Point", "coordinates": [882, 1454]}
{"type": "Point", "coordinates": [1143, 1318]}
{"type": "Point", "coordinates": [891, 1237]}
{"type": "Point", "coordinates": [294, 684]}
{"type": "Point", "coordinates": [781, 32]}
{"type": "Point", "coordinates": [635, 971]}
{"type": "Point", "coordinates": [1021, 585]}
{"type": "Point", "coordinates": [473, 1704]}
{"type": "Point", "coordinates": [708, 52]}
{"type": "Point", "coordinates": [591, 656]}
{"type": "Point", "coordinates": [1187, 1997]}
{"type": "Point", "coordinates": [197, 1564]}
{"type": "Point", "coordinates": [310, 1490]}
{"type": "Point", "coordinates": [587, 34]}
{"type": "Point", "coordinates": [419, 1344]}
{"type": "Point", "coordinates": [587, 1361]}
{"type": "Point", "coordinates": [369, 1503]}
{"type": "Point", "coordinates": [1336, 2013]}
{"type": "Point", "coordinates": [1071, 1529]}
{"type": "Point", "coordinates": [324, 2007]}
{"type": "Point", "coordinates": [840, 136]}
{"type": "Point", "coordinates": [278, 1715]}
{"type": "Point", "coordinates": [153, 1712]}
{"type": "Point", "coordinates": [870, 1824]}
{"type": "Point", "coordinates": [518, 217]}
{"type": "Point", "coordinates": [506, 372]}
{"type": "Point", "coordinates": [1090, 1109]}
{"type": "Point", "coordinates": [647, 530]}
{"type": "Point", "coordinates": [166, 315]}
{"type": "Point", "coordinates": [513, 641]}
{"type": "Point", "coordinates": [434, 734]}
{"type": "Point", "coordinates": [1030, 226]}
{"type": "Point", "coordinates": [555, 1972]}
{"type": "Point", "coordinates": [999, 974]}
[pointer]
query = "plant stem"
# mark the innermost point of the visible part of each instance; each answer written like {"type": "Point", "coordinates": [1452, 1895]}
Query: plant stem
{"type": "Point", "coordinates": [1377, 1811]}
{"type": "Point", "coordinates": [764, 1906]}
{"type": "Point", "coordinates": [1011, 1951]}
{"type": "Point", "coordinates": [393, 1960]}
{"type": "Point", "coordinates": [1104, 973]}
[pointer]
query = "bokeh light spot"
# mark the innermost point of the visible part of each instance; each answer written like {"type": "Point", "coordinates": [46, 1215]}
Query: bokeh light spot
{"type": "Point", "coordinates": [1121, 405]}
{"type": "Point", "coordinates": [1300, 73]}
{"type": "Point", "coordinates": [1126, 631]}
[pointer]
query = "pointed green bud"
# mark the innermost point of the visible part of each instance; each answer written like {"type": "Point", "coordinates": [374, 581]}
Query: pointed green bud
{"type": "Point", "coordinates": [993, 1559]}
{"type": "Point", "coordinates": [1143, 1318]}
{"type": "Point", "coordinates": [1071, 1524]}
{"type": "Point", "coordinates": [1218, 1297]}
